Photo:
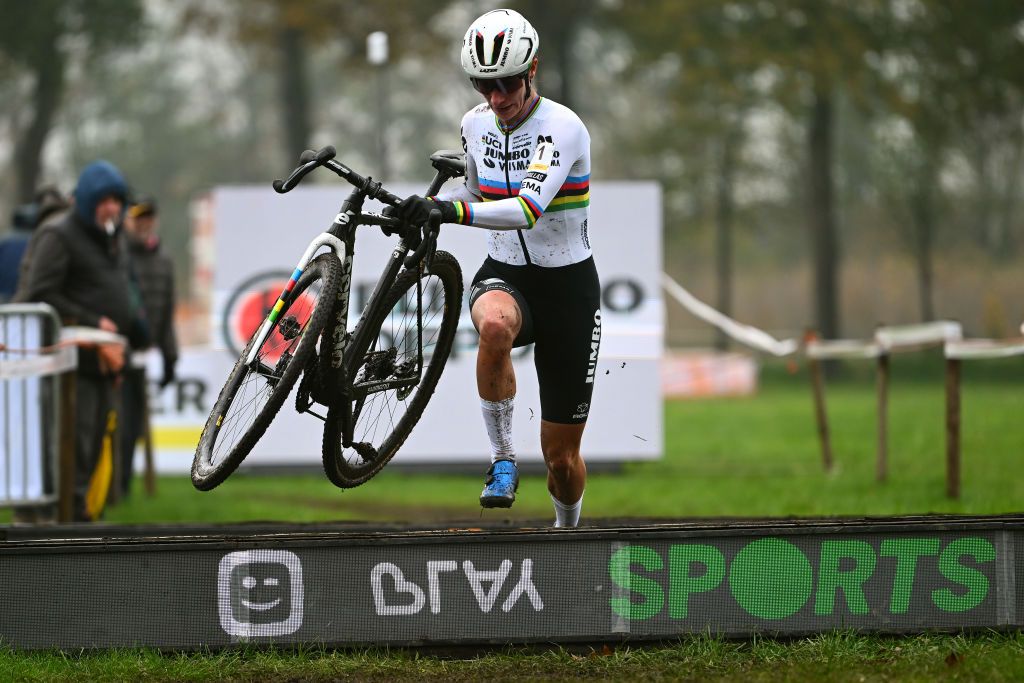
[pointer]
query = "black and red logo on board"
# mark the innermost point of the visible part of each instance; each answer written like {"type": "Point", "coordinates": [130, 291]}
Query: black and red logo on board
{"type": "Point", "coordinates": [249, 305]}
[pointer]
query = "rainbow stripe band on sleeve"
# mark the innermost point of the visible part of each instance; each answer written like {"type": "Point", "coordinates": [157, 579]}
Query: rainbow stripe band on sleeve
{"type": "Point", "coordinates": [463, 212]}
{"type": "Point", "coordinates": [574, 194]}
{"type": "Point", "coordinates": [531, 209]}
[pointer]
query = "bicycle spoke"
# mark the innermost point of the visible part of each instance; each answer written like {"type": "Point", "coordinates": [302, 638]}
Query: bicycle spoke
{"type": "Point", "coordinates": [254, 392]}
{"type": "Point", "coordinates": [377, 415]}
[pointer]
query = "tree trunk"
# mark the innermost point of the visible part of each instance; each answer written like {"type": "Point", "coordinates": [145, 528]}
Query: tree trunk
{"type": "Point", "coordinates": [1011, 192]}
{"type": "Point", "coordinates": [824, 239]}
{"type": "Point", "coordinates": [294, 92]}
{"type": "Point", "coordinates": [985, 196]}
{"type": "Point", "coordinates": [923, 216]}
{"type": "Point", "coordinates": [724, 210]}
{"type": "Point", "coordinates": [563, 59]}
{"type": "Point", "coordinates": [557, 24]}
{"type": "Point", "coordinates": [49, 85]}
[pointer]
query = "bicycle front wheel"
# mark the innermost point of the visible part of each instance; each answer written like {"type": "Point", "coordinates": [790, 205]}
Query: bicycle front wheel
{"type": "Point", "coordinates": [254, 393]}
{"type": "Point", "coordinates": [385, 353]}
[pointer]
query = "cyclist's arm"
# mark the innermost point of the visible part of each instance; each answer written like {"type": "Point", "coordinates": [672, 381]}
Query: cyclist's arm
{"type": "Point", "coordinates": [504, 214]}
{"type": "Point", "coordinates": [542, 182]}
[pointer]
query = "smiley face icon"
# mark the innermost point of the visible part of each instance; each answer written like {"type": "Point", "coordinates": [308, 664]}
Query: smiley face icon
{"type": "Point", "coordinates": [260, 593]}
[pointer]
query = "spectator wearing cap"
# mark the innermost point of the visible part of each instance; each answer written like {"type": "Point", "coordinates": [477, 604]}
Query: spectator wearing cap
{"type": "Point", "coordinates": [80, 266]}
{"type": "Point", "coordinates": [155, 273]}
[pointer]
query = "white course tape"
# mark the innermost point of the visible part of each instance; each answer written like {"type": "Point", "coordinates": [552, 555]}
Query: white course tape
{"type": "Point", "coordinates": [62, 360]}
{"type": "Point", "coordinates": [745, 334]}
{"type": "Point", "coordinates": [897, 336]}
{"type": "Point", "coordinates": [887, 339]}
{"type": "Point", "coordinates": [970, 349]}
{"type": "Point", "coordinates": [91, 335]}
{"type": "Point", "coordinates": [58, 359]}
{"type": "Point", "coordinates": [842, 348]}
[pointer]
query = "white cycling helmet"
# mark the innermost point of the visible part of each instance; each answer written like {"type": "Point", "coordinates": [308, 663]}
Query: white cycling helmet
{"type": "Point", "coordinates": [501, 43]}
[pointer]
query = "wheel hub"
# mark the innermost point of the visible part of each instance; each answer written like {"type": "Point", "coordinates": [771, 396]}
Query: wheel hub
{"type": "Point", "coordinates": [289, 327]}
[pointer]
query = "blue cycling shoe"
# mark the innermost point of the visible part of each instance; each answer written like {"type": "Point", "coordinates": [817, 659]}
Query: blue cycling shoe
{"type": "Point", "coordinates": [500, 487]}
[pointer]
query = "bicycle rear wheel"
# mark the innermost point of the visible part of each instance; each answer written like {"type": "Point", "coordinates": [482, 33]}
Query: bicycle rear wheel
{"type": "Point", "coordinates": [385, 349]}
{"type": "Point", "coordinates": [253, 394]}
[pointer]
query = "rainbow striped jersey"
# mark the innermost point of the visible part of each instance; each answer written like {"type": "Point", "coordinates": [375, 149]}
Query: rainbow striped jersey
{"type": "Point", "coordinates": [528, 183]}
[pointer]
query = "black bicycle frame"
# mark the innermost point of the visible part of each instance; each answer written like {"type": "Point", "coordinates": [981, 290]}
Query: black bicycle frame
{"type": "Point", "coordinates": [349, 219]}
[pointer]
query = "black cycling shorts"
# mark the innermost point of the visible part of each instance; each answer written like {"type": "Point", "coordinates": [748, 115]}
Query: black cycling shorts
{"type": "Point", "coordinates": [561, 312]}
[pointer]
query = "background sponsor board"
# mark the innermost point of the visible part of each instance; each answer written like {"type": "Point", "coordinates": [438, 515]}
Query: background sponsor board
{"type": "Point", "coordinates": [259, 235]}
{"type": "Point", "coordinates": [516, 588]}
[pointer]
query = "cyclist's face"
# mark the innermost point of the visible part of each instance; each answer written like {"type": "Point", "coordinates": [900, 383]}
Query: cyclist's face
{"type": "Point", "coordinates": [509, 103]}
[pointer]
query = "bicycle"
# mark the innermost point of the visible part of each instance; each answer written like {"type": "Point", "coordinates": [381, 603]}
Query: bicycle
{"type": "Point", "coordinates": [376, 380]}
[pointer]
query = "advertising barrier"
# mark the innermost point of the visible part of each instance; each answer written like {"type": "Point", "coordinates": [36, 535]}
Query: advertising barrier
{"type": "Point", "coordinates": [513, 586]}
{"type": "Point", "coordinates": [257, 236]}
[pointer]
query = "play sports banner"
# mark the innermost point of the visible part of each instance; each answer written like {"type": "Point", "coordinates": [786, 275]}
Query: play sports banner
{"type": "Point", "coordinates": [515, 586]}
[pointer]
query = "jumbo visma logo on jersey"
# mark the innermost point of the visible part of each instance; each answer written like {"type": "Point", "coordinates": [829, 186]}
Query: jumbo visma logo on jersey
{"type": "Point", "coordinates": [822, 580]}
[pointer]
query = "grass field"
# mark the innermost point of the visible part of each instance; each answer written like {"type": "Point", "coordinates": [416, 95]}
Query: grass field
{"type": "Point", "coordinates": [755, 456]}
{"type": "Point", "coordinates": [830, 657]}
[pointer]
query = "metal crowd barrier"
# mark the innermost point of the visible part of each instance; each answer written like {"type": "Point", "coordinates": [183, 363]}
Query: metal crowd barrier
{"type": "Point", "coordinates": [31, 365]}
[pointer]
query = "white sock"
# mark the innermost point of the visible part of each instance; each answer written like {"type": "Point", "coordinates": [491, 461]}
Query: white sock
{"type": "Point", "coordinates": [498, 420]}
{"type": "Point", "coordinates": [567, 515]}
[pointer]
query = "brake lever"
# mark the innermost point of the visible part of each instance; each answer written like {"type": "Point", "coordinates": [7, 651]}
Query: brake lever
{"type": "Point", "coordinates": [428, 260]}
{"type": "Point", "coordinates": [429, 241]}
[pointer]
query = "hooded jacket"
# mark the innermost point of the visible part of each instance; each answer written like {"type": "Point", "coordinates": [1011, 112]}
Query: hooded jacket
{"type": "Point", "coordinates": [154, 271]}
{"type": "Point", "coordinates": [81, 270]}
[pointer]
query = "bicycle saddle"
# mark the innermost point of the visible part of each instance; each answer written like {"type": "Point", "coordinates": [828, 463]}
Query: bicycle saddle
{"type": "Point", "coordinates": [450, 162]}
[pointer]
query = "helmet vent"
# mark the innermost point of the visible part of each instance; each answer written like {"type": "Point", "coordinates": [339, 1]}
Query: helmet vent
{"type": "Point", "coordinates": [495, 49]}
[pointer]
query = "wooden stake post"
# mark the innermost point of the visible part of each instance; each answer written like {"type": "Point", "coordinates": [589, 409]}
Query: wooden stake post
{"type": "Point", "coordinates": [820, 413]}
{"type": "Point", "coordinates": [818, 382]}
{"type": "Point", "coordinates": [147, 435]}
{"type": "Point", "coordinates": [882, 457]}
{"type": "Point", "coordinates": [953, 427]}
{"type": "Point", "coordinates": [957, 351]}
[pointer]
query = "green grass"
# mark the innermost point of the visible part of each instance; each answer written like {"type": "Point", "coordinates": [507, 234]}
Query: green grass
{"type": "Point", "coordinates": [838, 656]}
{"type": "Point", "coordinates": [756, 456]}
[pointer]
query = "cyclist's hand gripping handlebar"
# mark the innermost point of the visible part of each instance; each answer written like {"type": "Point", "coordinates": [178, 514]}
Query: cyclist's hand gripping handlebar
{"type": "Point", "coordinates": [425, 251]}
{"type": "Point", "coordinates": [308, 161]}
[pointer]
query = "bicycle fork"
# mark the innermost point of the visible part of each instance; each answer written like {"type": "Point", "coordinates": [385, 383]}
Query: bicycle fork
{"type": "Point", "coordinates": [325, 239]}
